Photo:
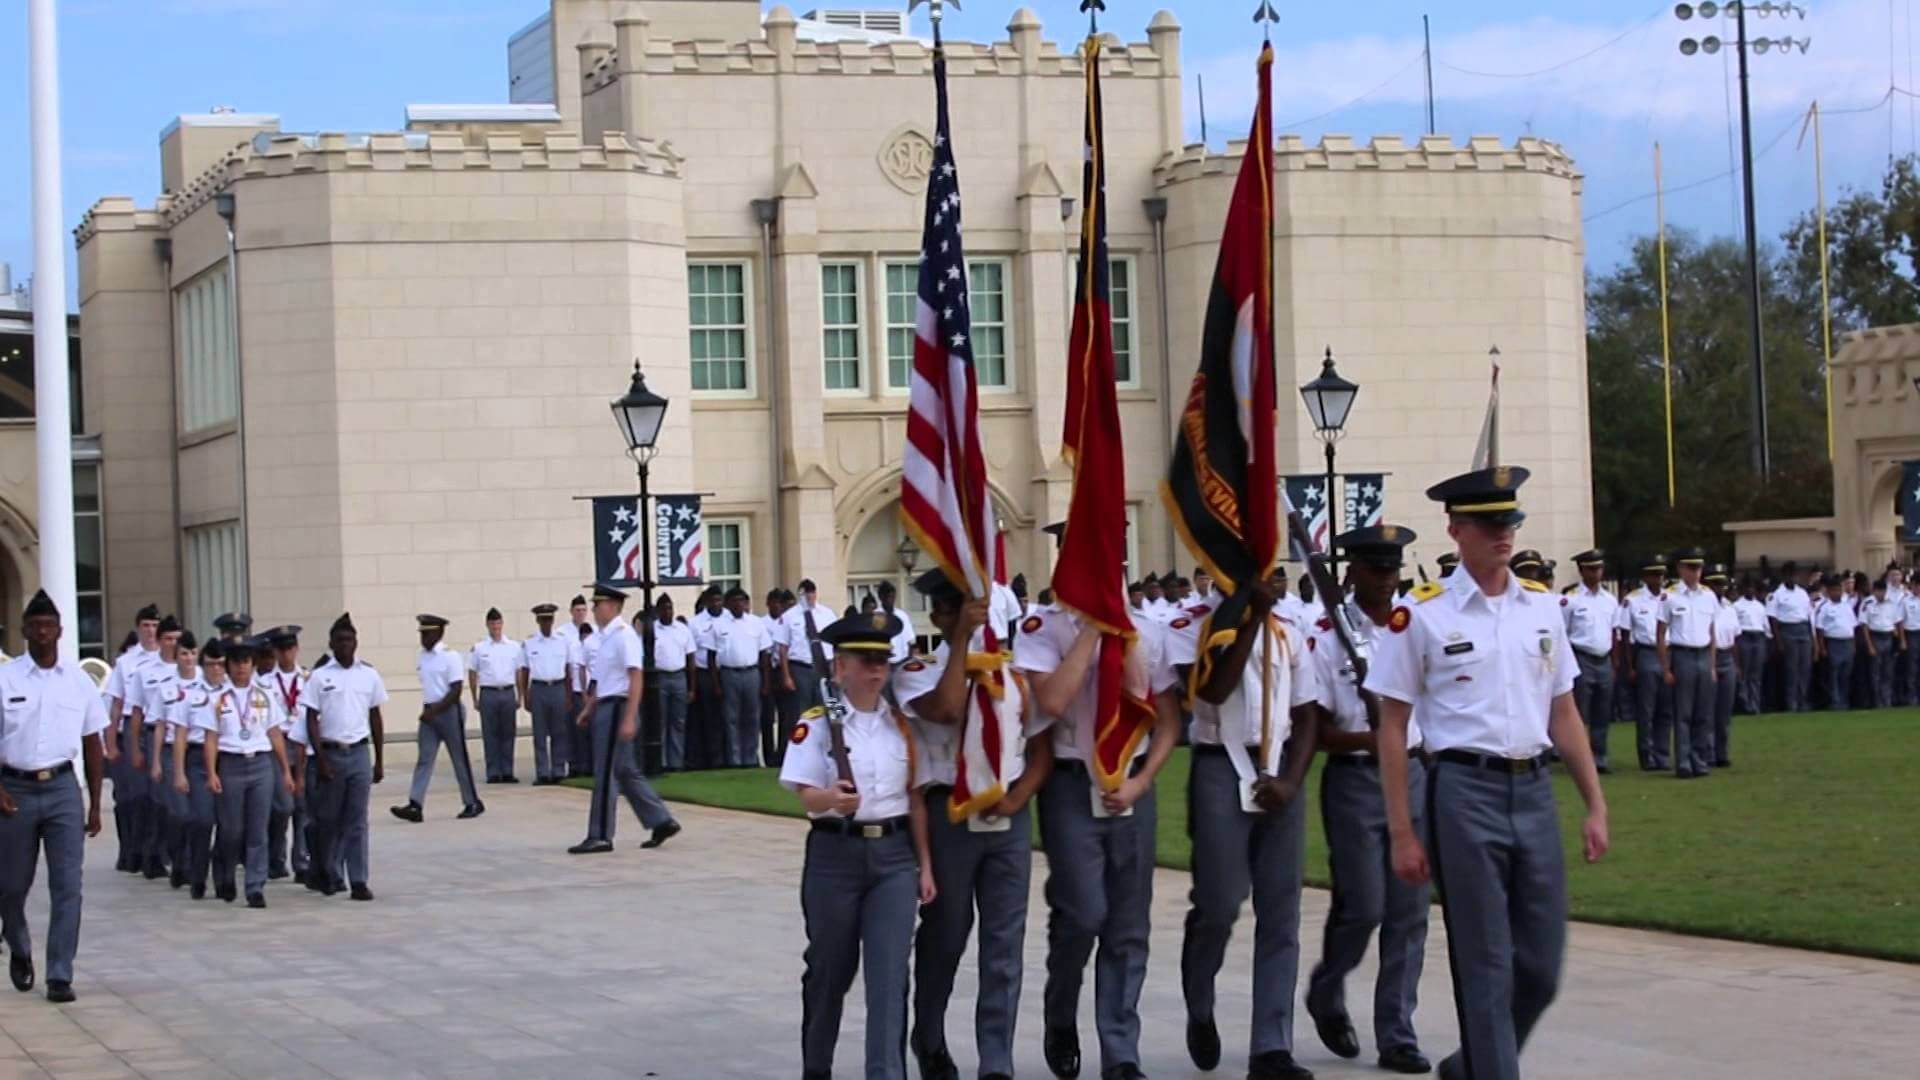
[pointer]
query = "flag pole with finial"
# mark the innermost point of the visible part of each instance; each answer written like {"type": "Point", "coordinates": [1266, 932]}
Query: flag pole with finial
{"type": "Point", "coordinates": [1093, 8]}
{"type": "Point", "coordinates": [1266, 17]}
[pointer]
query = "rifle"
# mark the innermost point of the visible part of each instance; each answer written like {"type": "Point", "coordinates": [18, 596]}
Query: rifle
{"type": "Point", "coordinates": [836, 705]}
{"type": "Point", "coordinates": [1359, 651]}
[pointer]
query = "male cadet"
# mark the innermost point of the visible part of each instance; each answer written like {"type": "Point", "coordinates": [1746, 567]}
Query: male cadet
{"type": "Point", "coordinates": [739, 638]}
{"type": "Point", "coordinates": [1653, 702]}
{"type": "Point", "coordinates": [544, 694]}
{"type": "Point", "coordinates": [986, 857]}
{"type": "Point", "coordinates": [1486, 663]}
{"type": "Point", "coordinates": [1254, 734]}
{"type": "Point", "coordinates": [493, 676]}
{"type": "Point", "coordinates": [286, 680]}
{"type": "Point", "coordinates": [233, 626]}
{"type": "Point", "coordinates": [1591, 616]}
{"type": "Point", "coordinates": [1754, 632]}
{"type": "Point", "coordinates": [1099, 844]}
{"type": "Point", "coordinates": [672, 661]}
{"type": "Point", "coordinates": [794, 653]}
{"type": "Point", "coordinates": [1791, 610]}
{"type": "Point", "coordinates": [773, 734]}
{"type": "Point", "coordinates": [149, 698]}
{"type": "Point", "coordinates": [1687, 665]}
{"type": "Point", "coordinates": [343, 717]}
{"type": "Point", "coordinates": [703, 701]}
{"type": "Point", "coordinates": [50, 713]}
{"type": "Point", "coordinates": [1726, 665]}
{"type": "Point", "coordinates": [1203, 586]}
{"type": "Point", "coordinates": [1836, 628]}
{"type": "Point", "coordinates": [1366, 894]}
{"type": "Point", "coordinates": [122, 683]}
{"type": "Point", "coordinates": [1881, 614]}
{"type": "Point", "coordinates": [579, 658]}
{"type": "Point", "coordinates": [443, 721]}
{"type": "Point", "coordinates": [612, 707]}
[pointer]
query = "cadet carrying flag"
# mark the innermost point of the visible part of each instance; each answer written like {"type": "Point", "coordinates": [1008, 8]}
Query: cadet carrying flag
{"type": "Point", "coordinates": [1089, 577]}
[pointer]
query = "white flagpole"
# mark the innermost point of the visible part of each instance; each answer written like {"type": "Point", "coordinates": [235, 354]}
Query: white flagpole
{"type": "Point", "coordinates": [53, 439]}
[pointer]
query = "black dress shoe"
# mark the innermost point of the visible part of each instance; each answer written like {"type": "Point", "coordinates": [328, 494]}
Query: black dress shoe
{"type": "Point", "coordinates": [299, 877]}
{"type": "Point", "coordinates": [473, 811]}
{"type": "Point", "coordinates": [155, 870]}
{"type": "Point", "coordinates": [509, 779]}
{"type": "Point", "coordinates": [225, 891]}
{"type": "Point", "coordinates": [1128, 1071]}
{"type": "Point", "coordinates": [361, 893]}
{"type": "Point", "coordinates": [661, 835]}
{"type": "Point", "coordinates": [1405, 1059]}
{"type": "Point", "coordinates": [1336, 1031]}
{"type": "Point", "coordinates": [198, 891]}
{"type": "Point", "coordinates": [177, 879]}
{"type": "Point", "coordinates": [1603, 770]}
{"type": "Point", "coordinates": [59, 993]}
{"type": "Point", "coordinates": [256, 900]}
{"type": "Point", "coordinates": [410, 812]}
{"type": "Point", "coordinates": [21, 969]}
{"type": "Point", "coordinates": [1062, 1049]}
{"type": "Point", "coordinates": [1723, 764]}
{"type": "Point", "coordinates": [1276, 1065]}
{"type": "Point", "coordinates": [591, 847]}
{"type": "Point", "coordinates": [937, 1065]}
{"type": "Point", "coordinates": [1203, 1042]}
{"type": "Point", "coordinates": [277, 873]}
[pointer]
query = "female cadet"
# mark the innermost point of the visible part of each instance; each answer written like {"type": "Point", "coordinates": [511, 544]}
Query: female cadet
{"type": "Point", "coordinates": [194, 777]}
{"type": "Point", "coordinates": [867, 865]}
{"type": "Point", "coordinates": [252, 753]}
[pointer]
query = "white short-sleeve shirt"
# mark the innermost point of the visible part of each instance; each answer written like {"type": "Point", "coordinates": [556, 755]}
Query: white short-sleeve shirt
{"type": "Point", "coordinates": [45, 713]}
{"type": "Point", "coordinates": [245, 715]}
{"type": "Point", "coordinates": [738, 642]}
{"type": "Point", "coordinates": [345, 697]}
{"type": "Point", "coordinates": [1045, 638]}
{"type": "Point", "coordinates": [1592, 616]}
{"type": "Point", "coordinates": [673, 645]}
{"type": "Point", "coordinates": [195, 710]}
{"type": "Point", "coordinates": [617, 649]}
{"type": "Point", "coordinates": [441, 669]}
{"type": "Point", "coordinates": [545, 655]}
{"type": "Point", "coordinates": [497, 664]}
{"type": "Point", "coordinates": [1337, 692]}
{"type": "Point", "coordinates": [1640, 616]}
{"type": "Point", "coordinates": [1790, 604]}
{"type": "Point", "coordinates": [1688, 614]}
{"type": "Point", "coordinates": [1289, 681]}
{"type": "Point", "coordinates": [937, 746]}
{"type": "Point", "coordinates": [878, 749]}
{"type": "Point", "coordinates": [1726, 626]}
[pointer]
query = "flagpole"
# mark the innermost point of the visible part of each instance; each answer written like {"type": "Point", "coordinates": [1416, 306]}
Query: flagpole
{"type": "Point", "coordinates": [1666, 340]}
{"type": "Point", "coordinates": [1826, 304]}
{"type": "Point", "coordinates": [1266, 17]}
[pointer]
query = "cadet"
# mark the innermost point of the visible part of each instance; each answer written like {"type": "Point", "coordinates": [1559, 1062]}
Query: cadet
{"type": "Point", "coordinates": [443, 721]}
{"type": "Point", "coordinates": [1687, 665]}
{"type": "Point", "coordinates": [50, 713]}
{"type": "Point", "coordinates": [1254, 734]}
{"type": "Point", "coordinates": [673, 661]}
{"type": "Point", "coordinates": [867, 863]}
{"type": "Point", "coordinates": [1099, 843]}
{"type": "Point", "coordinates": [122, 683]}
{"type": "Point", "coordinates": [1881, 614]}
{"type": "Point", "coordinates": [579, 655]}
{"type": "Point", "coordinates": [739, 638]}
{"type": "Point", "coordinates": [1836, 627]}
{"type": "Point", "coordinates": [613, 707]}
{"type": "Point", "coordinates": [1530, 565]}
{"type": "Point", "coordinates": [1653, 701]}
{"type": "Point", "coordinates": [286, 681]}
{"type": "Point", "coordinates": [343, 716]}
{"type": "Point", "coordinates": [803, 621]}
{"type": "Point", "coordinates": [1791, 610]}
{"type": "Point", "coordinates": [1486, 663]}
{"type": "Point", "coordinates": [148, 695]}
{"type": "Point", "coordinates": [1592, 614]}
{"type": "Point", "coordinates": [194, 767]}
{"type": "Point", "coordinates": [1752, 648]}
{"type": "Point", "coordinates": [773, 724]}
{"type": "Point", "coordinates": [984, 858]}
{"type": "Point", "coordinates": [1909, 637]}
{"type": "Point", "coordinates": [1366, 894]}
{"type": "Point", "coordinates": [1726, 666]}
{"type": "Point", "coordinates": [545, 695]}
{"type": "Point", "coordinates": [252, 748]}
{"type": "Point", "coordinates": [162, 690]}
{"type": "Point", "coordinates": [493, 676]}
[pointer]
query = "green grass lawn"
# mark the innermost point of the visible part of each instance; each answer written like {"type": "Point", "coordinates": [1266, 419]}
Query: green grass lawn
{"type": "Point", "coordinates": [1812, 840]}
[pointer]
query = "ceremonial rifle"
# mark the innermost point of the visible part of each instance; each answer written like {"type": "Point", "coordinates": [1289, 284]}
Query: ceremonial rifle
{"type": "Point", "coordinates": [1358, 649]}
{"type": "Point", "coordinates": [836, 705]}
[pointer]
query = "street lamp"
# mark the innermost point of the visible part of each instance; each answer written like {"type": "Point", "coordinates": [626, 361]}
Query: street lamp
{"type": "Point", "coordinates": [640, 414]}
{"type": "Point", "coordinates": [909, 555]}
{"type": "Point", "coordinates": [1329, 399]}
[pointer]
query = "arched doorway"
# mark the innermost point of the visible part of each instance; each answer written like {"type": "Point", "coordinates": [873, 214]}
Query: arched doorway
{"type": "Point", "coordinates": [19, 574]}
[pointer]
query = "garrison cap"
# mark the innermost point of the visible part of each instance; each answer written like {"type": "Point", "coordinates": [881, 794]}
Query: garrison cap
{"type": "Point", "coordinates": [215, 650]}
{"type": "Point", "coordinates": [936, 587]}
{"type": "Point", "coordinates": [1590, 557]}
{"type": "Point", "coordinates": [170, 625]}
{"type": "Point", "coordinates": [1019, 586]}
{"type": "Point", "coordinates": [41, 605]}
{"type": "Point", "coordinates": [1492, 495]}
{"type": "Point", "coordinates": [150, 613]}
{"type": "Point", "coordinates": [431, 622]}
{"type": "Point", "coordinates": [1691, 556]}
{"type": "Point", "coordinates": [546, 611]}
{"type": "Point", "coordinates": [493, 614]}
{"type": "Point", "coordinates": [187, 641]}
{"type": "Point", "coordinates": [868, 633]}
{"type": "Point", "coordinates": [579, 600]}
{"type": "Point", "coordinates": [233, 622]}
{"type": "Point", "coordinates": [343, 624]}
{"type": "Point", "coordinates": [1382, 546]}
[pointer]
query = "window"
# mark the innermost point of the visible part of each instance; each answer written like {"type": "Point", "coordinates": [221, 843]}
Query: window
{"type": "Point", "coordinates": [1120, 274]}
{"type": "Point", "coordinates": [213, 581]}
{"type": "Point", "coordinates": [1134, 510]}
{"type": "Point", "coordinates": [88, 562]}
{"type": "Point", "coordinates": [840, 325]}
{"type": "Point", "coordinates": [717, 328]}
{"type": "Point", "coordinates": [209, 365]}
{"type": "Point", "coordinates": [987, 308]}
{"type": "Point", "coordinates": [903, 315]}
{"type": "Point", "coordinates": [727, 553]}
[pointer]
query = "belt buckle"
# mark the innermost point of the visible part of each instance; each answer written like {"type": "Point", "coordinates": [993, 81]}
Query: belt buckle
{"type": "Point", "coordinates": [872, 832]}
{"type": "Point", "coordinates": [43, 775]}
{"type": "Point", "coordinates": [1517, 766]}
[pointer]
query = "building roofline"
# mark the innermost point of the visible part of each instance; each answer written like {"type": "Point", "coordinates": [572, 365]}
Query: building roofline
{"type": "Point", "coordinates": [226, 119]}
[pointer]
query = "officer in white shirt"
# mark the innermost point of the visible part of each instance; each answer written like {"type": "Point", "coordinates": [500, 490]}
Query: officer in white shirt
{"type": "Point", "coordinates": [739, 641]}
{"type": "Point", "coordinates": [1687, 665]}
{"type": "Point", "coordinates": [1791, 609]}
{"type": "Point", "coordinates": [773, 733]}
{"type": "Point", "coordinates": [1726, 665]}
{"type": "Point", "coordinates": [1881, 614]}
{"type": "Point", "coordinates": [122, 685]}
{"type": "Point", "coordinates": [795, 650]}
{"type": "Point", "coordinates": [443, 722]}
{"type": "Point", "coordinates": [343, 719]}
{"type": "Point", "coordinates": [493, 676]}
{"type": "Point", "coordinates": [1836, 628]}
{"type": "Point", "coordinates": [1486, 663]}
{"type": "Point", "coordinates": [613, 709]}
{"type": "Point", "coordinates": [287, 826]}
{"type": "Point", "coordinates": [1755, 631]}
{"type": "Point", "coordinates": [1653, 697]}
{"type": "Point", "coordinates": [1366, 894]}
{"type": "Point", "coordinates": [579, 657]}
{"type": "Point", "coordinates": [544, 693]}
{"type": "Point", "coordinates": [673, 663]}
{"type": "Point", "coordinates": [1592, 616]}
{"type": "Point", "coordinates": [50, 714]}
{"type": "Point", "coordinates": [251, 749]}
{"type": "Point", "coordinates": [1098, 830]}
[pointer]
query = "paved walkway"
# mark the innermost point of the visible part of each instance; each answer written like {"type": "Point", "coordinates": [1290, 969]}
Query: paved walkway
{"type": "Point", "coordinates": [492, 953]}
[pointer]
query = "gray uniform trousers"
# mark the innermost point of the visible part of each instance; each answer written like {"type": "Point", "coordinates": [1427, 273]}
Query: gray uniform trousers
{"type": "Point", "coordinates": [552, 736]}
{"type": "Point", "coordinates": [580, 740]}
{"type": "Point", "coordinates": [1653, 711]}
{"type": "Point", "coordinates": [130, 795]}
{"type": "Point", "coordinates": [671, 688]}
{"type": "Point", "coordinates": [196, 812]}
{"type": "Point", "coordinates": [1693, 693]}
{"type": "Point", "coordinates": [858, 897]}
{"type": "Point", "coordinates": [1839, 673]}
{"type": "Point", "coordinates": [740, 712]}
{"type": "Point", "coordinates": [613, 764]}
{"type": "Point", "coordinates": [448, 728]}
{"type": "Point", "coordinates": [1593, 695]}
{"type": "Point", "coordinates": [1723, 694]}
{"type": "Point", "coordinates": [153, 825]}
{"type": "Point", "coordinates": [339, 809]}
{"type": "Point", "coordinates": [1099, 889]}
{"type": "Point", "coordinates": [289, 815]}
{"type": "Point", "coordinates": [1235, 853]}
{"type": "Point", "coordinates": [499, 712]}
{"type": "Point", "coordinates": [1910, 670]}
{"type": "Point", "coordinates": [1796, 650]}
{"type": "Point", "coordinates": [1366, 895]}
{"type": "Point", "coordinates": [246, 797]}
{"type": "Point", "coordinates": [52, 816]}
{"type": "Point", "coordinates": [1496, 856]}
{"type": "Point", "coordinates": [1884, 661]}
{"type": "Point", "coordinates": [1752, 649]}
{"type": "Point", "coordinates": [991, 870]}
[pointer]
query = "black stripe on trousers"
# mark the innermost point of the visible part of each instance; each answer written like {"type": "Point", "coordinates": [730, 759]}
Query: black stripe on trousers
{"type": "Point", "coordinates": [602, 778]}
{"type": "Point", "coordinates": [1446, 913]}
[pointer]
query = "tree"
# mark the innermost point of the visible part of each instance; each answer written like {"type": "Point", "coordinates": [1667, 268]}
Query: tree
{"type": "Point", "coordinates": [1872, 241]}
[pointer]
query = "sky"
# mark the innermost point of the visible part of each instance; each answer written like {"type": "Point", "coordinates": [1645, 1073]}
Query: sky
{"type": "Point", "coordinates": [1603, 78]}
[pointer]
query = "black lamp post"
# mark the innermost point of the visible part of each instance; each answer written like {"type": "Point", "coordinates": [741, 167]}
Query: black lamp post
{"type": "Point", "coordinates": [1329, 399]}
{"type": "Point", "coordinates": [640, 414]}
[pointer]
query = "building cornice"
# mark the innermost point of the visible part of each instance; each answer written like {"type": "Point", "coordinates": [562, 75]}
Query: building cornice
{"type": "Point", "coordinates": [1120, 60]}
{"type": "Point", "coordinates": [1385, 153]}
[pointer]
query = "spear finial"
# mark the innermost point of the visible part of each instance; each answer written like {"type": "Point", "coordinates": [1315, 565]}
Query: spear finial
{"type": "Point", "coordinates": [1093, 8]}
{"type": "Point", "coordinates": [1266, 16]}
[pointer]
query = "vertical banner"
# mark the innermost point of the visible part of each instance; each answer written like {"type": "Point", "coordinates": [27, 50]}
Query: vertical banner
{"type": "Point", "coordinates": [616, 539]}
{"type": "Point", "coordinates": [1308, 494]}
{"type": "Point", "coordinates": [1909, 501]}
{"type": "Point", "coordinates": [679, 541]}
{"type": "Point", "coordinates": [1365, 502]}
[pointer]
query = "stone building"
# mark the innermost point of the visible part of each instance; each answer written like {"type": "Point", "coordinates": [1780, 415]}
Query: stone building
{"type": "Point", "coordinates": [370, 372]}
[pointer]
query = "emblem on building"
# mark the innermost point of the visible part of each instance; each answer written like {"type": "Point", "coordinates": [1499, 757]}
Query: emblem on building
{"type": "Point", "coordinates": [906, 157]}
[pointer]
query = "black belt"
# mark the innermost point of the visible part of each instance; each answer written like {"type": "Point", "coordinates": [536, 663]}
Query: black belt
{"type": "Point", "coordinates": [1357, 761]}
{"type": "Point", "coordinates": [1076, 765]}
{"type": "Point", "coordinates": [866, 830]}
{"type": "Point", "coordinates": [37, 775]}
{"type": "Point", "coordinates": [1686, 648]}
{"type": "Point", "coordinates": [1216, 750]}
{"type": "Point", "coordinates": [547, 682]}
{"type": "Point", "coordinates": [326, 744]}
{"type": "Point", "coordinates": [244, 755]}
{"type": "Point", "coordinates": [740, 667]}
{"type": "Point", "coordinates": [1493, 763]}
{"type": "Point", "coordinates": [1753, 633]}
{"type": "Point", "coordinates": [508, 688]}
{"type": "Point", "coordinates": [799, 663]}
{"type": "Point", "coordinates": [1597, 657]}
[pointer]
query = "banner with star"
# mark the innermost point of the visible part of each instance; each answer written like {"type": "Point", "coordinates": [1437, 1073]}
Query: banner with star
{"type": "Point", "coordinates": [679, 540]}
{"type": "Point", "coordinates": [1908, 504]}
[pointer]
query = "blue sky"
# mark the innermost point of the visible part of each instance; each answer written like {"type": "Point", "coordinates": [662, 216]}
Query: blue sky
{"type": "Point", "coordinates": [1603, 77]}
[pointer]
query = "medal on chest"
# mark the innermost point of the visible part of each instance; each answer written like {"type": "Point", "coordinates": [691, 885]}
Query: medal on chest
{"type": "Point", "coordinates": [1546, 650]}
